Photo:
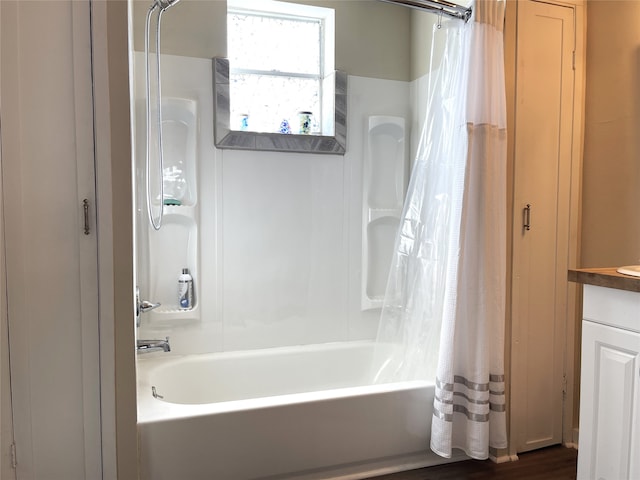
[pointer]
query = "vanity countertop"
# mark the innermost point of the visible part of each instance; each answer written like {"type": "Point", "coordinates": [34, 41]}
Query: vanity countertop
{"type": "Point", "coordinates": [605, 277]}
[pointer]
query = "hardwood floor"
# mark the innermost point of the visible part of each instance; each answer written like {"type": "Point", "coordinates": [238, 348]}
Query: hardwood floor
{"type": "Point", "coordinates": [553, 463]}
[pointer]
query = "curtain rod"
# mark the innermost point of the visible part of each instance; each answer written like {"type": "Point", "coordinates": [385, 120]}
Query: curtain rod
{"type": "Point", "coordinates": [440, 6]}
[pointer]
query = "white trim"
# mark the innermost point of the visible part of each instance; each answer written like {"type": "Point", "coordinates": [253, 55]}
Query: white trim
{"type": "Point", "coordinates": [11, 148]}
{"type": "Point", "coordinates": [81, 25]}
{"type": "Point", "coordinates": [104, 225]}
{"type": "Point", "coordinates": [6, 424]}
{"type": "Point", "coordinates": [283, 8]}
{"type": "Point", "coordinates": [269, 73]}
{"type": "Point", "coordinates": [574, 303]}
{"type": "Point", "coordinates": [504, 458]}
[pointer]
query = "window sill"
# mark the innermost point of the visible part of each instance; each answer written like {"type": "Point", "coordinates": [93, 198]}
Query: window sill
{"type": "Point", "coordinates": [240, 140]}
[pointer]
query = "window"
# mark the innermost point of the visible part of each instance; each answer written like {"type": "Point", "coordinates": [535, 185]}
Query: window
{"type": "Point", "coordinates": [280, 55]}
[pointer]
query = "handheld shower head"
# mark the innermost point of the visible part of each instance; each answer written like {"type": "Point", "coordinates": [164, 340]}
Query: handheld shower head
{"type": "Point", "coordinates": [165, 4]}
{"type": "Point", "coordinates": [161, 6]}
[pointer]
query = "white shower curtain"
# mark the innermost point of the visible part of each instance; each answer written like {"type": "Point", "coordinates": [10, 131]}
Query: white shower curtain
{"type": "Point", "coordinates": [444, 311]}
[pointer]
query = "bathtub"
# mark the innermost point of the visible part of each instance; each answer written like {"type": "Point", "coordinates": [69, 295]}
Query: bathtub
{"type": "Point", "coordinates": [305, 412]}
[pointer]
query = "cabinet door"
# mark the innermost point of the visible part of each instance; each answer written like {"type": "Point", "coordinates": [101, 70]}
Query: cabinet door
{"type": "Point", "coordinates": [609, 403]}
{"type": "Point", "coordinates": [51, 262]}
{"type": "Point", "coordinates": [542, 181]}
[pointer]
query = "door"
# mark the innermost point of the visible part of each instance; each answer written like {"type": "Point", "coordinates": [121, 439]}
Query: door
{"type": "Point", "coordinates": [51, 262]}
{"type": "Point", "coordinates": [542, 171]}
{"type": "Point", "coordinates": [609, 402]}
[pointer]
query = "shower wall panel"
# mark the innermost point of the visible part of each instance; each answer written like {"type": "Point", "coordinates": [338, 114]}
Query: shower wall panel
{"type": "Point", "coordinates": [160, 256]}
{"type": "Point", "coordinates": [279, 234]}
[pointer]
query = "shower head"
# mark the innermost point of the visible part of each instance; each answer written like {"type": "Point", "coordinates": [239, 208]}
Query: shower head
{"type": "Point", "coordinates": [164, 4]}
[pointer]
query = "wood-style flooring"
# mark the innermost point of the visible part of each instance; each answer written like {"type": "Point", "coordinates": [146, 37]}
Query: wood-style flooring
{"type": "Point", "coordinates": [553, 463]}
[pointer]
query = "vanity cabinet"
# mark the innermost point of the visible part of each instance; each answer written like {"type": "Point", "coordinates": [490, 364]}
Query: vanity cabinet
{"type": "Point", "coordinates": [610, 385]}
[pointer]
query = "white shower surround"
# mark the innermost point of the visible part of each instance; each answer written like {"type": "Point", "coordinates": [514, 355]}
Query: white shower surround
{"type": "Point", "coordinates": [279, 234]}
{"type": "Point", "coordinates": [280, 238]}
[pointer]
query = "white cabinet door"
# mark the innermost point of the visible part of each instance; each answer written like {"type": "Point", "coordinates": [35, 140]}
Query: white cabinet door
{"type": "Point", "coordinates": [542, 180]}
{"type": "Point", "coordinates": [51, 263]}
{"type": "Point", "coordinates": [609, 403]}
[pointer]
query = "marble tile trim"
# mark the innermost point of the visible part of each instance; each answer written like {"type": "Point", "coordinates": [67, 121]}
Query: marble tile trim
{"type": "Point", "coordinates": [227, 138]}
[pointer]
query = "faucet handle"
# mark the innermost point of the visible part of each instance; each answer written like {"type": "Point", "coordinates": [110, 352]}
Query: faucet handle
{"type": "Point", "coordinates": [146, 306]}
{"type": "Point", "coordinates": [143, 306]}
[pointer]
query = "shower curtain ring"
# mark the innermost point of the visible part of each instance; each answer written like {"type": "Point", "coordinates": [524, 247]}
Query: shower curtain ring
{"type": "Point", "coordinates": [440, 19]}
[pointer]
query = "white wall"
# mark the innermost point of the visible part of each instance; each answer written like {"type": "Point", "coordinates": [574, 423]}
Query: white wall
{"type": "Point", "coordinates": [279, 234]}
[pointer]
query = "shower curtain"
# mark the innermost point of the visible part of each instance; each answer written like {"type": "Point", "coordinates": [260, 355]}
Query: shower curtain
{"type": "Point", "coordinates": [444, 309]}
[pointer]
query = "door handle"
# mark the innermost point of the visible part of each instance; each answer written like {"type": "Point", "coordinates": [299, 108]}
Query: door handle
{"type": "Point", "coordinates": [85, 208]}
{"type": "Point", "coordinates": [526, 217]}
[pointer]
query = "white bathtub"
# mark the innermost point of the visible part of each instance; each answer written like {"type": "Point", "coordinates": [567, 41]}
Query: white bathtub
{"type": "Point", "coordinates": [295, 412]}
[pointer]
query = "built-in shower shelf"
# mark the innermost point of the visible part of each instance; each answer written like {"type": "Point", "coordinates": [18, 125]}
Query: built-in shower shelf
{"type": "Point", "coordinates": [376, 213]}
{"type": "Point", "coordinates": [173, 309]}
{"type": "Point", "coordinates": [172, 312]}
{"type": "Point", "coordinates": [175, 246]}
{"type": "Point", "coordinates": [186, 210]}
{"type": "Point", "coordinates": [384, 185]}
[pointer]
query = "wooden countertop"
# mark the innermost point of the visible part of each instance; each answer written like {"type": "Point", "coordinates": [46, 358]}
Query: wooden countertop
{"type": "Point", "coordinates": [605, 277]}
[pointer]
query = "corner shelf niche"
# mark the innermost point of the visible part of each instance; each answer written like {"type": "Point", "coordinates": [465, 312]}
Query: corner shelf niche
{"type": "Point", "coordinates": [175, 245]}
{"type": "Point", "coordinates": [385, 179]}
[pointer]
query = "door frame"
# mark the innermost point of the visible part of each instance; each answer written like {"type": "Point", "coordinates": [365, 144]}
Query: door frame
{"type": "Point", "coordinates": [89, 294]}
{"type": "Point", "coordinates": [114, 222]}
{"type": "Point", "coordinates": [6, 415]}
{"type": "Point", "coordinates": [573, 314]}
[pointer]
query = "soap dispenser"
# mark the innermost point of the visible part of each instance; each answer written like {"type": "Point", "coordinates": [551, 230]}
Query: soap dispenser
{"type": "Point", "coordinates": [185, 290]}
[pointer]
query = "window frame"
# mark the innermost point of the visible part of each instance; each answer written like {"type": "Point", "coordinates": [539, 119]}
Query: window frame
{"type": "Point", "coordinates": [333, 89]}
{"type": "Point", "coordinates": [324, 17]}
{"type": "Point", "coordinates": [226, 138]}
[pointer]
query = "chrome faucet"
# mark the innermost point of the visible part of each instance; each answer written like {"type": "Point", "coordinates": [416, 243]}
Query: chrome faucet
{"type": "Point", "coordinates": [143, 306]}
{"type": "Point", "coordinates": [147, 346]}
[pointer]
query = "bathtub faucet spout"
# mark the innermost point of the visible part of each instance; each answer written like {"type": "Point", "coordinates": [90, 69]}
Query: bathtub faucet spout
{"type": "Point", "coordinates": [147, 346]}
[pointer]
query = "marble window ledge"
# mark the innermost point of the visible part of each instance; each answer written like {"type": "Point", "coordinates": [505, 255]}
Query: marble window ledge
{"type": "Point", "coordinates": [239, 140]}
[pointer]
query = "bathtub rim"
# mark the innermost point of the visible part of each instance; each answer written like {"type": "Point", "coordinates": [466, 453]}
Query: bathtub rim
{"type": "Point", "coordinates": [151, 409]}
